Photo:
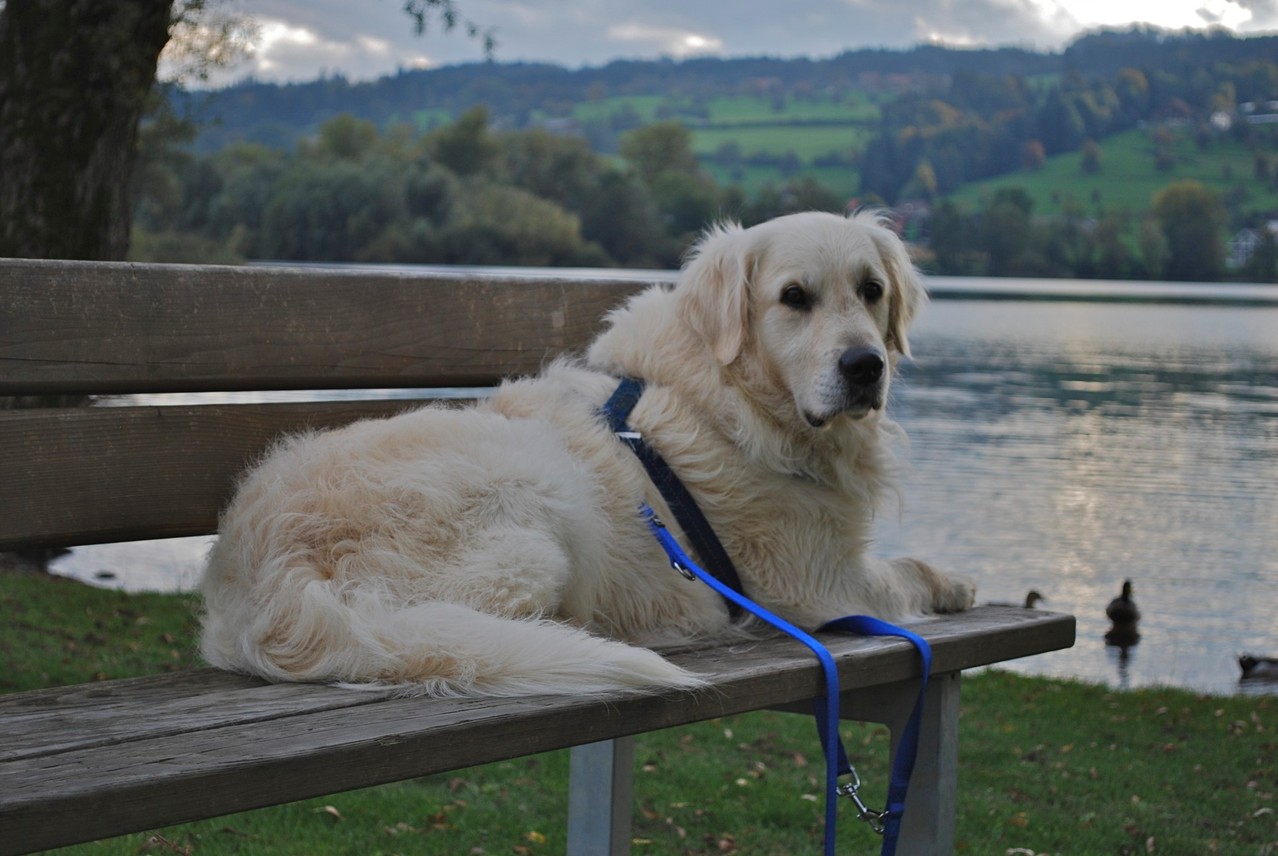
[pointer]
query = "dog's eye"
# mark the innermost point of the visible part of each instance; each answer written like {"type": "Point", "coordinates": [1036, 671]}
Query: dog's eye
{"type": "Point", "coordinates": [796, 296]}
{"type": "Point", "coordinates": [871, 291]}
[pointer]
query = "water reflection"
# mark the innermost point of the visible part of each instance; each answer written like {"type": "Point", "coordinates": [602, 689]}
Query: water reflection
{"type": "Point", "coordinates": [1067, 447]}
{"type": "Point", "coordinates": [1120, 655]}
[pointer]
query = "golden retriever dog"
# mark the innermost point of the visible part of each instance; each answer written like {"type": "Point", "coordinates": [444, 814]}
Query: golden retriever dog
{"type": "Point", "coordinates": [500, 549]}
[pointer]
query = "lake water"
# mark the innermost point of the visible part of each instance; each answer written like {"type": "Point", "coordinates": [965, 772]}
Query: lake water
{"type": "Point", "coordinates": [1062, 445]}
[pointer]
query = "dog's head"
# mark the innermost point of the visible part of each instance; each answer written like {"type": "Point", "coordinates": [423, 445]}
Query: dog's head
{"type": "Point", "coordinates": [814, 305]}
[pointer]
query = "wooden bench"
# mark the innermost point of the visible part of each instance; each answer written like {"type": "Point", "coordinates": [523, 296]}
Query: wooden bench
{"type": "Point", "coordinates": [86, 762]}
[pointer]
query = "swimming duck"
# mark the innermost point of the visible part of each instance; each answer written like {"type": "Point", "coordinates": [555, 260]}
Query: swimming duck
{"type": "Point", "coordinates": [1030, 599]}
{"type": "Point", "coordinates": [1123, 616]}
{"type": "Point", "coordinates": [1258, 668]}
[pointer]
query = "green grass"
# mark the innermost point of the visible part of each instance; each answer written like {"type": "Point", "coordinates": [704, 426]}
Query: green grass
{"type": "Point", "coordinates": [601, 109]}
{"type": "Point", "coordinates": [1126, 182]}
{"type": "Point", "coordinates": [1046, 766]}
{"type": "Point", "coordinates": [1128, 178]}
{"type": "Point", "coordinates": [844, 181]}
{"type": "Point", "coordinates": [56, 631]}
{"type": "Point", "coordinates": [807, 142]}
{"type": "Point", "coordinates": [858, 107]}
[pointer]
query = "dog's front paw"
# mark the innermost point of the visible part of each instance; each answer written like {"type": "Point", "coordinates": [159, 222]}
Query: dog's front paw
{"type": "Point", "coordinates": [938, 592]}
{"type": "Point", "coordinates": [955, 593]}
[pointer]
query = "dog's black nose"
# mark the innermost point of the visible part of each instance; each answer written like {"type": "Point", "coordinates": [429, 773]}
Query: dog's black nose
{"type": "Point", "coordinates": [862, 366]}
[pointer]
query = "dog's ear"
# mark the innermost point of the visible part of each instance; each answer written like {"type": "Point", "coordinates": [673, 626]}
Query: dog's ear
{"type": "Point", "coordinates": [715, 290]}
{"type": "Point", "coordinates": [907, 295]}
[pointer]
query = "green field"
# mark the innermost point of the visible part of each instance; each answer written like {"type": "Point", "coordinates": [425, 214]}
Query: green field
{"type": "Point", "coordinates": [1128, 178]}
{"type": "Point", "coordinates": [735, 110]}
{"type": "Point", "coordinates": [645, 106]}
{"type": "Point", "coordinates": [855, 107]}
{"type": "Point", "coordinates": [805, 141]}
{"type": "Point", "coordinates": [843, 181]}
{"type": "Point", "coordinates": [807, 128]}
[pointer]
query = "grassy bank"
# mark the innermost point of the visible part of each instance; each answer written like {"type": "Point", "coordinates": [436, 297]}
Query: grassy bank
{"type": "Point", "coordinates": [1129, 177]}
{"type": "Point", "coordinates": [1046, 766]}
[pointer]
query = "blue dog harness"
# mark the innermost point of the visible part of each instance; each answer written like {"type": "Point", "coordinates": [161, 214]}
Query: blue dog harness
{"type": "Point", "coordinates": [723, 578]}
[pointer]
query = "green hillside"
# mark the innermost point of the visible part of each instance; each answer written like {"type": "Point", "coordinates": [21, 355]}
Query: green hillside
{"type": "Point", "coordinates": [754, 141]}
{"type": "Point", "coordinates": [1129, 175]}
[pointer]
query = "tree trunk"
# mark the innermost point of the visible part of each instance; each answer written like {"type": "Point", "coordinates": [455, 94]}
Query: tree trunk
{"type": "Point", "coordinates": [74, 80]}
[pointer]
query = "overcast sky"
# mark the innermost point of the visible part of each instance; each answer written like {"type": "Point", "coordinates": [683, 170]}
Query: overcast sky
{"type": "Point", "coordinates": [303, 39]}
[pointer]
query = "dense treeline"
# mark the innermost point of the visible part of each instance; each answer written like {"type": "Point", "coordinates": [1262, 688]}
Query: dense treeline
{"type": "Point", "coordinates": [461, 194]}
{"type": "Point", "coordinates": [1180, 239]}
{"type": "Point", "coordinates": [466, 194]}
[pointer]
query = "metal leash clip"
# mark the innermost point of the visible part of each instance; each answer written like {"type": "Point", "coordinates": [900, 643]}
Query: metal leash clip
{"type": "Point", "coordinates": [662, 533]}
{"type": "Point", "coordinates": [869, 815]}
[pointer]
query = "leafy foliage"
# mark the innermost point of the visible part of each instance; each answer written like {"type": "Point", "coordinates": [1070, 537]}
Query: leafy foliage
{"type": "Point", "coordinates": [460, 194]}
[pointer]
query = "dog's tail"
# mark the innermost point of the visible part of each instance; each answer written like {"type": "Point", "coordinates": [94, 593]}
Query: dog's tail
{"type": "Point", "coordinates": [362, 640]}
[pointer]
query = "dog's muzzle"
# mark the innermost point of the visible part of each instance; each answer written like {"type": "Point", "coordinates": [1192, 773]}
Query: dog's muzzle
{"type": "Point", "coordinates": [863, 375]}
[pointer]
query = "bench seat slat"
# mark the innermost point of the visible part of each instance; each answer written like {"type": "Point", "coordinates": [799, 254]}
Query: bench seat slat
{"type": "Point", "coordinates": [104, 327]}
{"type": "Point", "coordinates": [178, 761]}
{"type": "Point", "coordinates": [91, 475]}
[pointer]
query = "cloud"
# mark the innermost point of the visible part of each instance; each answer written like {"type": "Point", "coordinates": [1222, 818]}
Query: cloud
{"type": "Point", "coordinates": [303, 38]}
{"type": "Point", "coordinates": [664, 41]}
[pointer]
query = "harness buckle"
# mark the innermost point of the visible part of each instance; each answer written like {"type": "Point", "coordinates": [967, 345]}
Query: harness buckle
{"type": "Point", "coordinates": [850, 790]}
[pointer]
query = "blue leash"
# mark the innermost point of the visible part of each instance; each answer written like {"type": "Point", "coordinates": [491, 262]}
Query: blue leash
{"type": "Point", "coordinates": [887, 822]}
{"type": "Point", "coordinates": [724, 580]}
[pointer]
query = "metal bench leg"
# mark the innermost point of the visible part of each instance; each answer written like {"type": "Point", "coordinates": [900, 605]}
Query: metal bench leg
{"type": "Point", "coordinates": [930, 806]}
{"type": "Point", "coordinates": [599, 798]}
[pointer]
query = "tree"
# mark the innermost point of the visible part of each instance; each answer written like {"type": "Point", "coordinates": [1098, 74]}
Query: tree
{"type": "Point", "coordinates": [922, 185]}
{"type": "Point", "coordinates": [1263, 264]}
{"type": "Point", "coordinates": [660, 149]}
{"type": "Point", "coordinates": [1193, 219]}
{"type": "Point", "coordinates": [75, 77]}
{"type": "Point", "coordinates": [1006, 229]}
{"type": "Point", "coordinates": [1091, 157]}
{"type": "Point", "coordinates": [1033, 156]}
{"type": "Point", "coordinates": [465, 146]}
{"type": "Point", "coordinates": [661, 155]}
{"type": "Point", "coordinates": [74, 81]}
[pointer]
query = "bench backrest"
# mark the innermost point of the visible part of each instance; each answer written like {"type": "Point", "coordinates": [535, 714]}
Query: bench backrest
{"type": "Point", "coordinates": [95, 474]}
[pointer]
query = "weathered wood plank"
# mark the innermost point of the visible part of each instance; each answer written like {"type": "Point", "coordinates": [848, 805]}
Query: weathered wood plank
{"type": "Point", "coordinates": [95, 475]}
{"type": "Point", "coordinates": [64, 719]}
{"type": "Point", "coordinates": [114, 327]}
{"type": "Point", "coordinates": [190, 761]}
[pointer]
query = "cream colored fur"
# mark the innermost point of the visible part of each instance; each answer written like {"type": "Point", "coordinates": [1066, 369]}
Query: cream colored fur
{"type": "Point", "coordinates": [499, 550]}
